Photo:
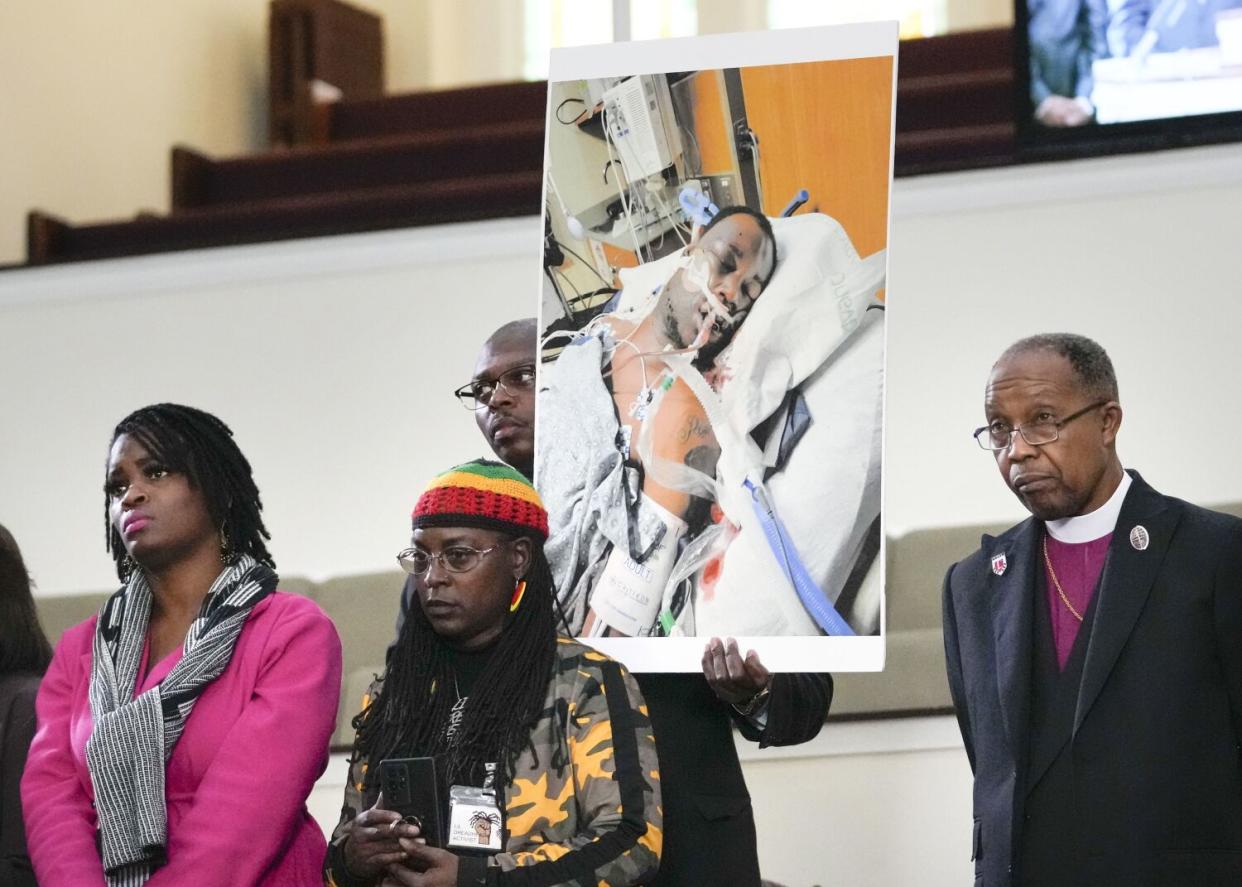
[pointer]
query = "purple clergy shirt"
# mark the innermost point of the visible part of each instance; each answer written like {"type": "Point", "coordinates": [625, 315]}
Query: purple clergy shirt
{"type": "Point", "coordinates": [1077, 565]}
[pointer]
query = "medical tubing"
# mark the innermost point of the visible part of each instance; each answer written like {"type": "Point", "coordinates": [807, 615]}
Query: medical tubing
{"type": "Point", "coordinates": [794, 205]}
{"type": "Point", "coordinates": [607, 120]}
{"type": "Point", "coordinates": [812, 597]}
{"type": "Point", "coordinates": [697, 205]}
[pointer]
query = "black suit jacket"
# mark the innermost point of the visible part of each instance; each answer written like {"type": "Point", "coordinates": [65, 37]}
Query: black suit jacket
{"type": "Point", "coordinates": [709, 828]}
{"type": "Point", "coordinates": [1146, 781]}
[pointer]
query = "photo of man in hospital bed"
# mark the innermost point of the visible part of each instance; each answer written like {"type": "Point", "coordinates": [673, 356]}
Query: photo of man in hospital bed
{"type": "Point", "coordinates": [709, 448]}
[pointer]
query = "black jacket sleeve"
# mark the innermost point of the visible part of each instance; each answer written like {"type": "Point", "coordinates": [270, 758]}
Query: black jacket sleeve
{"type": "Point", "coordinates": [953, 667]}
{"type": "Point", "coordinates": [797, 707]}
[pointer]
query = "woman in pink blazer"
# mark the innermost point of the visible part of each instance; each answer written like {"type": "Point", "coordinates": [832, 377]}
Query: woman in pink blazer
{"type": "Point", "coordinates": [181, 730]}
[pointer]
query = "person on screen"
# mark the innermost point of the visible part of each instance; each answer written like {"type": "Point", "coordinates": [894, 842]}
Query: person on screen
{"type": "Point", "coordinates": [182, 729]}
{"type": "Point", "coordinates": [1094, 650]}
{"type": "Point", "coordinates": [1139, 27]}
{"type": "Point", "coordinates": [709, 826]}
{"type": "Point", "coordinates": [1066, 37]}
{"type": "Point", "coordinates": [550, 737]}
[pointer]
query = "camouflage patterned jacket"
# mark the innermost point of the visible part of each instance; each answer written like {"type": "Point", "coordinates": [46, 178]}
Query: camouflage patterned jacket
{"type": "Point", "coordinates": [588, 813]}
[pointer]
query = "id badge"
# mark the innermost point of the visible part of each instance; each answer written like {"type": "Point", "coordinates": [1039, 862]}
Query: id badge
{"type": "Point", "coordinates": [474, 819]}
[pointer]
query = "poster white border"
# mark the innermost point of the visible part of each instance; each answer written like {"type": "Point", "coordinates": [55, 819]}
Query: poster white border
{"type": "Point", "coordinates": [739, 50]}
{"type": "Point", "coordinates": [787, 46]}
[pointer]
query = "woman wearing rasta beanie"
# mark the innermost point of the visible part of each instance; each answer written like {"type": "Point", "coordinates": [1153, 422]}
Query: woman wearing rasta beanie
{"type": "Point", "coordinates": [480, 680]}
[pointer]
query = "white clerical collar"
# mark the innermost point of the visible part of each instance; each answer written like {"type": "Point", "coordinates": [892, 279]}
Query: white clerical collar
{"type": "Point", "coordinates": [1089, 527]}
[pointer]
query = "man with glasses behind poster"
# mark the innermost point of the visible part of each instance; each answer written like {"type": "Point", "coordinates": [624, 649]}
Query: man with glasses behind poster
{"type": "Point", "coordinates": [1094, 651]}
{"type": "Point", "coordinates": [502, 393]}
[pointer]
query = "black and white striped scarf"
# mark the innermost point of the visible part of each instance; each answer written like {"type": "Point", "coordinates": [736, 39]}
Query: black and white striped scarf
{"type": "Point", "coordinates": [134, 737]}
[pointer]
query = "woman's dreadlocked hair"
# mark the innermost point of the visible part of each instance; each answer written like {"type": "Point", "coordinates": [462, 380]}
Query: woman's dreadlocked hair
{"type": "Point", "coordinates": [201, 447]}
{"type": "Point", "coordinates": [409, 715]}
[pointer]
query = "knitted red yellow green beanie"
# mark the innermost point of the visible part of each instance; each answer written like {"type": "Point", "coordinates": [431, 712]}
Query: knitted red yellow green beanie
{"type": "Point", "coordinates": [485, 494]}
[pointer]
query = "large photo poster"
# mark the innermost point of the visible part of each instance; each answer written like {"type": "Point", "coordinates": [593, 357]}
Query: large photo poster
{"type": "Point", "coordinates": [710, 392]}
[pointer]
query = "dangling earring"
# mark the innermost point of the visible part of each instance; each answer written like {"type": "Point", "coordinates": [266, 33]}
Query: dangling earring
{"type": "Point", "coordinates": [518, 591]}
{"type": "Point", "coordinates": [128, 565]}
{"type": "Point", "coordinates": [226, 551]}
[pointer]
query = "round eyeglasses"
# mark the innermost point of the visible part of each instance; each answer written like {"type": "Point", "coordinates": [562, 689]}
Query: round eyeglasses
{"type": "Point", "coordinates": [479, 393]}
{"type": "Point", "coordinates": [455, 559]}
{"type": "Point", "coordinates": [999, 436]}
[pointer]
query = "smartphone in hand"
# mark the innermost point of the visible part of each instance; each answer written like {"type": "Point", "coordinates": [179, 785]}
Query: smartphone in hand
{"type": "Point", "coordinates": [411, 788]}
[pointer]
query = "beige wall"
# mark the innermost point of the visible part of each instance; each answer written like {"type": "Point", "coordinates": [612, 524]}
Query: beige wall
{"type": "Point", "coordinates": [1137, 252]}
{"type": "Point", "coordinates": [93, 95]}
{"type": "Point", "coordinates": [970, 15]}
{"type": "Point", "coordinates": [867, 817]}
{"type": "Point", "coordinates": [722, 16]}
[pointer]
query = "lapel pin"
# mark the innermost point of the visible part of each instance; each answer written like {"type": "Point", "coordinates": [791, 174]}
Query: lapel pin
{"type": "Point", "coordinates": [1139, 538]}
{"type": "Point", "coordinates": [999, 563]}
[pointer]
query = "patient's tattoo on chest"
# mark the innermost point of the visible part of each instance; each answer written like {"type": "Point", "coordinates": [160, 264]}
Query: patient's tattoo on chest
{"type": "Point", "coordinates": [695, 427]}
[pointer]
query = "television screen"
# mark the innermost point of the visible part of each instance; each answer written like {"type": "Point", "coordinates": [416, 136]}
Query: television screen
{"type": "Point", "coordinates": [1118, 64]}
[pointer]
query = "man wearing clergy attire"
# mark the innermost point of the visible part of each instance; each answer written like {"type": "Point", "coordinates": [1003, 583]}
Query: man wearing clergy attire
{"type": "Point", "coordinates": [1094, 651]}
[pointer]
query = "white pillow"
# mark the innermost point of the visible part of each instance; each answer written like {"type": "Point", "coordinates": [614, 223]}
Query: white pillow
{"type": "Point", "coordinates": [815, 300]}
